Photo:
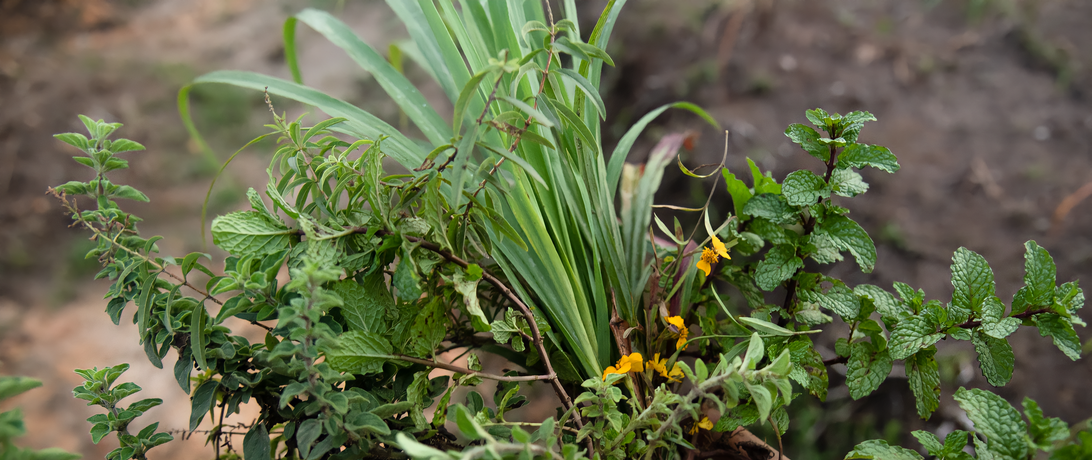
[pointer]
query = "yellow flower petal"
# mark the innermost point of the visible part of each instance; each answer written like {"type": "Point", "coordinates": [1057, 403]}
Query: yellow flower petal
{"type": "Point", "coordinates": [676, 321]}
{"type": "Point", "coordinates": [718, 246]}
{"type": "Point", "coordinates": [705, 267]}
{"type": "Point", "coordinates": [705, 423]}
{"type": "Point", "coordinates": [632, 362]}
{"type": "Point", "coordinates": [636, 362]}
{"type": "Point", "coordinates": [610, 370]}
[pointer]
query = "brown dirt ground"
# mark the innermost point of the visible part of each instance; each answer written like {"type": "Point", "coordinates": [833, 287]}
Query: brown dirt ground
{"type": "Point", "coordinates": [990, 117]}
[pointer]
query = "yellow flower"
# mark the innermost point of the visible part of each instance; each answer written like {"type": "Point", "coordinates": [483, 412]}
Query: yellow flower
{"type": "Point", "coordinates": [629, 363]}
{"type": "Point", "coordinates": [712, 256]}
{"type": "Point", "coordinates": [660, 366]}
{"type": "Point", "coordinates": [679, 329]}
{"type": "Point", "coordinates": [705, 423]}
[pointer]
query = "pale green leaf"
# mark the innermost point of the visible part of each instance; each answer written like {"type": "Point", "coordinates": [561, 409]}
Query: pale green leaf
{"type": "Point", "coordinates": [250, 233]}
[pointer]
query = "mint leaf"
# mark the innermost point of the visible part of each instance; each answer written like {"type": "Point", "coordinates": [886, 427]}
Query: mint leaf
{"type": "Point", "coordinates": [804, 188]}
{"type": "Point", "coordinates": [405, 279]}
{"type": "Point", "coordinates": [867, 369]}
{"type": "Point", "coordinates": [852, 123]}
{"type": "Point", "coordinates": [808, 139]}
{"type": "Point", "coordinates": [1039, 275]}
{"type": "Point", "coordinates": [995, 358]}
{"type": "Point", "coordinates": [359, 352]}
{"type": "Point", "coordinates": [428, 329]}
{"type": "Point", "coordinates": [469, 290]}
{"type": "Point", "coordinates": [847, 182]}
{"type": "Point", "coordinates": [771, 232]}
{"type": "Point", "coordinates": [912, 335]}
{"type": "Point", "coordinates": [772, 207]}
{"type": "Point", "coordinates": [909, 296]}
{"type": "Point", "coordinates": [1044, 431]}
{"type": "Point", "coordinates": [921, 369]}
{"type": "Point", "coordinates": [840, 300]}
{"type": "Point", "coordinates": [886, 304]}
{"type": "Point", "coordinates": [819, 117]}
{"type": "Point", "coordinates": [997, 420]}
{"type": "Point", "coordinates": [741, 194]}
{"type": "Point", "coordinates": [1082, 451]}
{"type": "Point", "coordinates": [364, 305]}
{"type": "Point", "coordinates": [952, 449]}
{"type": "Point", "coordinates": [879, 449]}
{"type": "Point", "coordinates": [1061, 331]}
{"type": "Point", "coordinates": [993, 324]}
{"type": "Point", "coordinates": [930, 442]}
{"type": "Point", "coordinates": [250, 233]}
{"type": "Point", "coordinates": [780, 264]}
{"type": "Point", "coordinates": [849, 236]}
{"type": "Point", "coordinates": [972, 279]}
{"type": "Point", "coordinates": [822, 249]}
{"type": "Point", "coordinates": [861, 155]}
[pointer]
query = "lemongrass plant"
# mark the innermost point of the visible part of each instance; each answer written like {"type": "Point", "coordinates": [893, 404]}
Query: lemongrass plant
{"type": "Point", "coordinates": [511, 232]}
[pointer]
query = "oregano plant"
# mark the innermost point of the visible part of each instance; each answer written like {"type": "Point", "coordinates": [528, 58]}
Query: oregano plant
{"type": "Point", "coordinates": [510, 234]}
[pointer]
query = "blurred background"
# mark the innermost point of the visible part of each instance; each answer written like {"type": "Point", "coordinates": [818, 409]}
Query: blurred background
{"type": "Point", "coordinates": [987, 104]}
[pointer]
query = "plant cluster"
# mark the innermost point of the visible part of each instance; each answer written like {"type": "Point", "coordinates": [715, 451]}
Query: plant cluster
{"type": "Point", "coordinates": [500, 234]}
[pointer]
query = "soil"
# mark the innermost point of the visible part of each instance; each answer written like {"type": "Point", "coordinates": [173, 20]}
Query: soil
{"type": "Point", "coordinates": [989, 113]}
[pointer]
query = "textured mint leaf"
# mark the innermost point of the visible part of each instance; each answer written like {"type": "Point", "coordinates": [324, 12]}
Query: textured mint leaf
{"type": "Point", "coordinates": [779, 265]}
{"type": "Point", "coordinates": [930, 442]}
{"type": "Point", "coordinates": [921, 369]}
{"type": "Point", "coordinates": [995, 358]}
{"type": "Point", "coordinates": [1044, 431]}
{"type": "Point", "coordinates": [771, 232]}
{"type": "Point", "coordinates": [250, 233]}
{"type": "Point", "coordinates": [808, 139]}
{"type": "Point", "coordinates": [849, 236]}
{"type": "Point", "coordinates": [871, 329]}
{"type": "Point", "coordinates": [847, 182]}
{"type": "Point", "coordinates": [772, 207]}
{"type": "Point", "coordinates": [992, 322]}
{"type": "Point", "coordinates": [867, 369]}
{"type": "Point", "coordinates": [1061, 331]}
{"type": "Point", "coordinates": [886, 304]}
{"type": "Point", "coordinates": [1039, 274]}
{"type": "Point", "coordinates": [1070, 296]}
{"type": "Point", "coordinates": [861, 155]}
{"type": "Point", "coordinates": [406, 279]}
{"type": "Point", "coordinates": [972, 279]}
{"type": "Point", "coordinates": [878, 449]}
{"type": "Point", "coordinates": [359, 352]}
{"type": "Point", "coordinates": [364, 305]}
{"type": "Point", "coordinates": [819, 117]}
{"type": "Point", "coordinates": [909, 296]}
{"type": "Point", "coordinates": [997, 420]}
{"type": "Point", "coordinates": [912, 335]}
{"type": "Point", "coordinates": [840, 300]}
{"type": "Point", "coordinates": [804, 188]}
{"type": "Point", "coordinates": [428, 329]}
{"type": "Point", "coordinates": [852, 123]}
{"type": "Point", "coordinates": [807, 367]}
{"type": "Point", "coordinates": [739, 191]}
{"type": "Point", "coordinates": [822, 249]}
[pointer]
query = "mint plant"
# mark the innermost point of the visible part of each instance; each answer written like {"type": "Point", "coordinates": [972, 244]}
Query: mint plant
{"type": "Point", "coordinates": [501, 234]}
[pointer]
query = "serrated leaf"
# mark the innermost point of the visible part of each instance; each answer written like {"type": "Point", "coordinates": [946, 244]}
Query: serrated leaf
{"type": "Point", "coordinates": [249, 233]}
{"type": "Point", "coordinates": [878, 449]}
{"type": "Point", "coordinates": [911, 335]}
{"type": "Point", "coordinates": [739, 191]}
{"type": "Point", "coordinates": [364, 305]}
{"type": "Point", "coordinates": [808, 139]}
{"type": "Point", "coordinates": [359, 352]}
{"type": "Point", "coordinates": [861, 155]}
{"type": "Point", "coordinates": [469, 291]}
{"type": "Point", "coordinates": [995, 419]}
{"type": "Point", "coordinates": [804, 188]}
{"type": "Point", "coordinates": [995, 358]}
{"type": "Point", "coordinates": [1044, 431]}
{"type": "Point", "coordinates": [886, 304]}
{"type": "Point", "coordinates": [852, 123]}
{"type": "Point", "coordinates": [1061, 332]}
{"type": "Point", "coordinates": [924, 376]}
{"type": "Point", "coordinates": [847, 182]}
{"type": "Point", "coordinates": [849, 236]}
{"type": "Point", "coordinates": [992, 322]}
{"type": "Point", "coordinates": [972, 279]}
{"type": "Point", "coordinates": [780, 264]}
{"type": "Point", "coordinates": [930, 442]}
{"type": "Point", "coordinates": [1040, 275]}
{"type": "Point", "coordinates": [406, 280]}
{"type": "Point", "coordinates": [840, 300]}
{"type": "Point", "coordinates": [508, 330]}
{"type": "Point", "coordinates": [867, 369]}
{"type": "Point", "coordinates": [772, 207]}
